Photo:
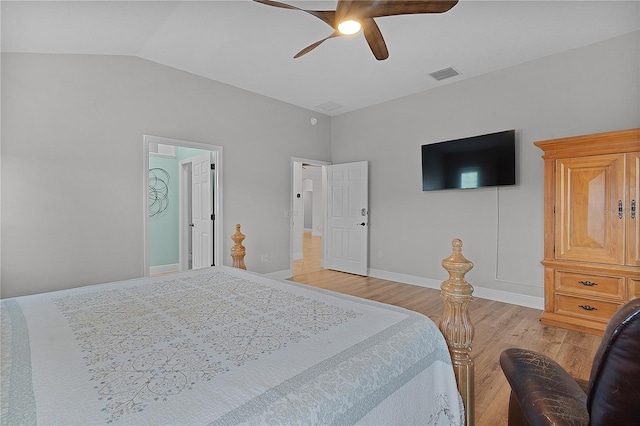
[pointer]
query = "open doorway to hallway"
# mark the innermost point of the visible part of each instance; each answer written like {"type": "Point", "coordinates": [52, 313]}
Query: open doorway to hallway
{"type": "Point", "coordinates": [183, 195]}
{"type": "Point", "coordinates": [311, 254]}
{"type": "Point", "coordinates": [307, 215]}
{"type": "Point", "coordinates": [343, 202]}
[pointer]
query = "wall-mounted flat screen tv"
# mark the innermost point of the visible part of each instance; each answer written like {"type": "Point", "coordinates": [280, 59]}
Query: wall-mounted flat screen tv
{"type": "Point", "coordinates": [474, 162]}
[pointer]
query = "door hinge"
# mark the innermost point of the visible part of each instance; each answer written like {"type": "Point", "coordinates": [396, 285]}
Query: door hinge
{"type": "Point", "coordinates": [213, 166]}
{"type": "Point", "coordinates": [213, 217]}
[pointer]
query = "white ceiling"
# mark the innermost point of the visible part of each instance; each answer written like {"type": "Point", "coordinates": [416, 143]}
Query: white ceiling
{"type": "Point", "coordinates": [251, 46]}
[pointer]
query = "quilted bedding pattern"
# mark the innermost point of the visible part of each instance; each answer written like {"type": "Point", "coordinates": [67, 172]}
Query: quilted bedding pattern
{"type": "Point", "coordinates": [220, 346]}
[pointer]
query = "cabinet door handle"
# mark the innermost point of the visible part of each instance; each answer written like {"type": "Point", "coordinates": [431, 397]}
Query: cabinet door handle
{"type": "Point", "coordinates": [633, 209]}
{"type": "Point", "coordinates": [588, 283]}
{"type": "Point", "coordinates": [588, 308]}
{"type": "Point", "coordinates": [620, 210]}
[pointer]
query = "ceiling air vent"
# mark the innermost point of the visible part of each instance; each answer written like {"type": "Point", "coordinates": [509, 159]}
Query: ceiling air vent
{"type": "Point", "coordinates": [444, 74]}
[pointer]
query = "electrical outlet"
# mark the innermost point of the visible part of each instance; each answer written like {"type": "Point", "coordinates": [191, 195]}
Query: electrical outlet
{"type": "Point", "coordinates": [264, 258]}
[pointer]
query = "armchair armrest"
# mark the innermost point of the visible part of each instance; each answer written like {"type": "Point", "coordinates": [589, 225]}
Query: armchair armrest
{"type": "Point", "coordinates": [544, 391]}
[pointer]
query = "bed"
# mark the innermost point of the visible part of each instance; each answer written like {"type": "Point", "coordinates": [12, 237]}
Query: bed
{"type": "Point", "coordinates": [221, 346]}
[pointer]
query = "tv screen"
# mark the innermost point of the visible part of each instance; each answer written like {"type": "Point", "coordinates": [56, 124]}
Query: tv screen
{"type": "Point", "coordinates": [478, 161]}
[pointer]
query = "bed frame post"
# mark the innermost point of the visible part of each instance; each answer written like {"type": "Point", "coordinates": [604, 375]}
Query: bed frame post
{"type": "Point", "coordinates": [238, 251]}
{"type": "Point", "coordinates": [456, 325]}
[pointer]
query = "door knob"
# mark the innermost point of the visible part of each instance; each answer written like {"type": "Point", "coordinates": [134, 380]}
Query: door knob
{"type": "Point", "coordinates": [362, 224]}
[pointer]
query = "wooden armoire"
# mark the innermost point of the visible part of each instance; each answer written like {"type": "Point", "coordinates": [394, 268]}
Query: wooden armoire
{"type": "Point", "coordinates": [591, 227]}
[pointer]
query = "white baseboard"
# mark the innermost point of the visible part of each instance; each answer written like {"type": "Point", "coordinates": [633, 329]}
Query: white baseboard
{"type": "Point", "coordinates": [164, 269]}
{"type": "Point", "coordinates": [481, 292]}
{"type": "Point", "coordinates": [298, 256]}
{"type": "Point", "coordinates": [508, 297]}
{"type": "Point", "coordinates": [404, 278]}
{"type": "Point", "coordinates": [279, 275]}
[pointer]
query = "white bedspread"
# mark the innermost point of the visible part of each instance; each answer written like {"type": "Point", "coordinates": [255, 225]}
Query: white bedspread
{"type": "Point", "coordinates": [220, 346]}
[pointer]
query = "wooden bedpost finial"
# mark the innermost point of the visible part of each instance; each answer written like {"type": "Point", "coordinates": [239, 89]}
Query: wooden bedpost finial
{"type": "Point", "coordinates": [456, 325]}
{"type": "Point", "coordinates": [457, 266]}
{"type": "Point", "coordinates": [238, 251]}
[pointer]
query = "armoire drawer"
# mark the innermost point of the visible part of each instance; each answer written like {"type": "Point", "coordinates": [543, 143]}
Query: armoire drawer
{"type": "Point", "coordinates": [634, 288]}
{"type": "Point", "coordinates": [590, 284]}
{"type": "Point", "coordinates": [585, 308]}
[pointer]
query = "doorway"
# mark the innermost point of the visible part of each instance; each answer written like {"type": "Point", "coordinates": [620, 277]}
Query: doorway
{"type": "Point", "coordinates": [312, 226]}
{"type": "Point", "coordinates": [307, 215]}
{"type": "Point", "coordinates": [169, 248]}
{"type": "Point", "coordinates": [344, 226]}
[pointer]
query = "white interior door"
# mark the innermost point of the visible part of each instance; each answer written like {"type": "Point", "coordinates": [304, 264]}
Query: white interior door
{"type": "Point", "coordinates": [347, 236]}
{"type": "Point", "coordinates": [202, 211]}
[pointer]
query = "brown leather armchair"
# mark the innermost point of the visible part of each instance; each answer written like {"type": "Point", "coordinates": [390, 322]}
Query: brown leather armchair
{"type": "Point", "coordinates": [543, 393]}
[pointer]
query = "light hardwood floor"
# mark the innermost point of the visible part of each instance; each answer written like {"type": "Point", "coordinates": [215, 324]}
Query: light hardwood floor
{"type": "Point", "coordinates": [312, 254]}
{"type": "Point", "coordinates": [498, 326]}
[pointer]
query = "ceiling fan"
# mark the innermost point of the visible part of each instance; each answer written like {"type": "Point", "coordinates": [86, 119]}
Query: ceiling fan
{"type": "Point", "coordinates": [352, 15]}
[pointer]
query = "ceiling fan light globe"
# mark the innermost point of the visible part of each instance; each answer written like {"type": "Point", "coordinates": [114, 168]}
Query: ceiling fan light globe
{"type": "Point", "coordinates": [349, 27]}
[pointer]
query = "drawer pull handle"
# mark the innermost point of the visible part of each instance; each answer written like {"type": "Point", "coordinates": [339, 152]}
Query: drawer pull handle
{"type": "Point", "coordinates": [588, 283]}
{"type": "Point", "coordinates": [620, 210]}
{"type": "Point", "coordinates": [588, 308]}
{"type": "Point", "coordinates": [633, 209]}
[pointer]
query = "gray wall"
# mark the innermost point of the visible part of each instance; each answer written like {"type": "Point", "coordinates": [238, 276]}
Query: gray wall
{"type": "Point", "coordinates": [587, 90]}
{"type": "Point", "coordinates": [72, 131]}
{"type": "Point", "coordinates": [72, 146]}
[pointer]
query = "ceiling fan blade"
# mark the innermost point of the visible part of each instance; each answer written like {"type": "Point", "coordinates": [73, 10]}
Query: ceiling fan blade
{"type": "Point", "coordinates": [277, 4]}
{"type": "Point", "coordinates": [314, 45]}
{"type": "Point", "coordinates": [343, 10]}
{"type": "Point", "coordinates": [374, 37]}
{"type": "Point", "coordinates": [328, 16]}
{"type": "Point", "coordinates": [376, 9]}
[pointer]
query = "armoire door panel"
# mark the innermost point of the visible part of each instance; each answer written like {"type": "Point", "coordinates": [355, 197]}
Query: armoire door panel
{"type": "Point", "coordinates": [588, 198]}
{"type": "Point", "coordinates": [631, 211]}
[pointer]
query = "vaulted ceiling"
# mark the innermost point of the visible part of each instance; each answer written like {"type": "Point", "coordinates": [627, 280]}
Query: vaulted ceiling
{"type": "Point", "coordinates": [251, 46]}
